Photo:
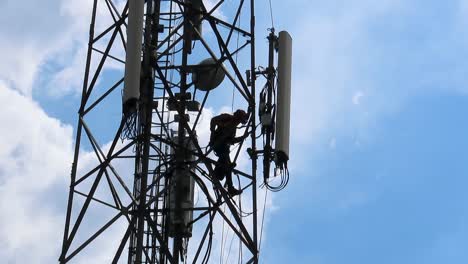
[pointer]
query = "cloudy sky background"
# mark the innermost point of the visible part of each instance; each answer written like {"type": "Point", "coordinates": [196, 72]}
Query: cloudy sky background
{"type": "Point", "coordinates": [379, 133]}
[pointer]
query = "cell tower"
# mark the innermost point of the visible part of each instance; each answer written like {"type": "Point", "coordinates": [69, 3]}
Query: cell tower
{"type": "Point", "coordinates": [151, 176]}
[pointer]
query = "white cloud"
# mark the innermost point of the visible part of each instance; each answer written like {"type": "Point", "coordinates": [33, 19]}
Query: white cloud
{"type": "Point", "coordinates": [68, 78]}
{"type": "Point", "coordinates": [323, 74]}
{"type": "Point", "coordinates": [35, 158]}
{"type": "Point", "coordinates": [335, 67]}
{"type": "Point", "coordinates": [49, 38]}
{"type": "Point", "coordinates": [333, 71]}
{"type": "Point", "coordinates": [348, 52]}
{"type": "Point", "coordinates": [35, 161]}
{"type": "Point", "coordinates": [28, 38]}
{"type": "Point", "coordinates": [357, 97]}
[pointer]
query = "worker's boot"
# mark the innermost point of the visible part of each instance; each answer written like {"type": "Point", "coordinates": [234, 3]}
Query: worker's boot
{"type": "Point", "coordinates": [233, 191]}
{"type": "Point", "coordinates": [219, 173]}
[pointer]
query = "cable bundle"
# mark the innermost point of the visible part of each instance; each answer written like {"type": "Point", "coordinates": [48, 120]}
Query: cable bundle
{"type": "Point", "coordinates": [129, 130]}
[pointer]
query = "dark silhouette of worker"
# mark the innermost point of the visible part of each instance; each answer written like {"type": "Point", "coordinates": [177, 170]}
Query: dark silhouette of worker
{"type": "Point", "coordinates": [223, 134]}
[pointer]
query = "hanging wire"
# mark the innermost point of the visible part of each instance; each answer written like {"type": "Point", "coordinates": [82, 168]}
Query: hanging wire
{"type": "Point", "coordinates": [206, 258]}
{"type": "Point", "coordinates": [263, 220]}
{"type": "Point", "coordinates": [271, 15]}
{"type": "Point", "coordinates": [230, 247]}
{"type": "Point", "coordinates": [240, 210]}
{"type": "Point", "coordinates": [233, 87]}
{"type": "Point", "coordinates": [224, 241]}
{"type": "Point", "coordinates": [222, 238]}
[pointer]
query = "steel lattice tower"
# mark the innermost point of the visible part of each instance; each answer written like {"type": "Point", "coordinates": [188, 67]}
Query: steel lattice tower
{"type": "Point", "coordinates": [160, 139]}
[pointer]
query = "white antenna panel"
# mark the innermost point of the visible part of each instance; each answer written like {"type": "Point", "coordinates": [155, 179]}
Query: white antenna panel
{"type": "Point", "coordinates": [283, 104]}
{"type": "Point", "coordinates": [133, 56]}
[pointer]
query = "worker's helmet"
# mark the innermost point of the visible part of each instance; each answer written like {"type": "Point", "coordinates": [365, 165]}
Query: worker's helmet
{"type": "Point", "coordinates": [242, 116]}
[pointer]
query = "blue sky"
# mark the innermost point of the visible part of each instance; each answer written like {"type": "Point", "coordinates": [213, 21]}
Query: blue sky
{"type": "Point", "coordinates": [401, 199]}
{"type": "Point", "coordinates": [379, 130]}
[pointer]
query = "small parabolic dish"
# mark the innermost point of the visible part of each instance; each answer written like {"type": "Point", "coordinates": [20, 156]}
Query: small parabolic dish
{"type": "Point", "coordinates": [208, 75]}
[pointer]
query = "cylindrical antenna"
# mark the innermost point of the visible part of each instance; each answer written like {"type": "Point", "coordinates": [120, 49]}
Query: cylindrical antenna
{"type": "Point", "coordinates": [284, 95]}
{"type": "Point", "coordinates": [131, 92]}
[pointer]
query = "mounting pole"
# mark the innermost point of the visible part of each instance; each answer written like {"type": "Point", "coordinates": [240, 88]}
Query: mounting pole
{"type": "Point", "coordinates": [267, 120]}
{"type": "Point", "coordinates": [253, 107]}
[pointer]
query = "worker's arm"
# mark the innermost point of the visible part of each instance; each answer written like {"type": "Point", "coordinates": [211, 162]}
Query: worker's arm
{"type": "Point", "coordinates": [217, 120]}
{"type": "Point", "coordinates": [240, 139]}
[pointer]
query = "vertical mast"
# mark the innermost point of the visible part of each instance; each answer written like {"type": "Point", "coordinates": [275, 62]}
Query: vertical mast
{"type": "Point", "coordinates": [143, 138]}
{"type": "Point", "coordinates": [252, 108]}
{"type": "Point", "coordinates": [180, 162]}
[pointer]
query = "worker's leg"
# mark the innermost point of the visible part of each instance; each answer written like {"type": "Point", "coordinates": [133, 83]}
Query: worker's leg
{"type": "Point", "coordinates": [228, 167]}
{"type": "Point", "coordinates": [228, 173]}
{"type": "Point", "coordinates": [224, 168]}
{"type": "Point", "coordinates": [219, 171]}
{"type": "Point", "coordinates": [222, 151]}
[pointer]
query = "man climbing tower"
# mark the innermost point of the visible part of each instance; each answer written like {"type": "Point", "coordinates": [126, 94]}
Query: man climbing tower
{"type": "Point", "coordinates": [223, 134]}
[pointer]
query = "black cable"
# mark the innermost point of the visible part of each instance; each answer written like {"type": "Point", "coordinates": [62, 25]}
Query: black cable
{"type": "Point", "coordinates": [129, 130]}
{"type": "Point", "coordinates": [284, 176]}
